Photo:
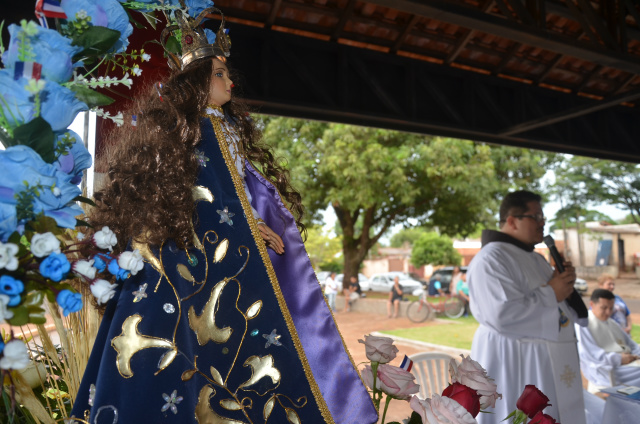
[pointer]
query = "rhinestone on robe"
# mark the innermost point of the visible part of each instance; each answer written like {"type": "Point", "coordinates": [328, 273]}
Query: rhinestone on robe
{"type": "Point", "coordinates": [169, 308]}
{"type": "Point", "coordinates": [202, 159]}
{"type": "Point", "coordinates": [140, 293]}
{"type": "Point", "coordinates": [272, 339]}
{"type": "Point", "coordinates": [225, 215]}
{"type": "Point", "coordinates": [172, 401]}
{"type": "Point", "coordinates": [255, 332]}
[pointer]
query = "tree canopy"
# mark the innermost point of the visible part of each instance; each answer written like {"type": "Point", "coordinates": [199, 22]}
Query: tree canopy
{"type": "Point", "coordinates": [432, 248]}
{"type": "Point", "coordinates": [374, 179]}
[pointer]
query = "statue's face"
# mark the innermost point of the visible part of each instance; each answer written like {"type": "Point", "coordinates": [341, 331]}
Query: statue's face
{"type": "Point", "coordinates": [220, 88]}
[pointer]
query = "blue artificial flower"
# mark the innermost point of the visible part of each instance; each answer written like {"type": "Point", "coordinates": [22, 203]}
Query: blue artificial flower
{"type": "Point", "coordinates": [69, 301]}
{"type": "Point", "coordinates": [8, 216]}
{"type": "Point", "coordinates": [115, 270]}
{"type": "Point", "coordinates": [76, 159]}
{"type": "Point", "coordinates": [16, 103]}
{"type": "Point", "coordinates": [195, 7]}
{"type": "Point", "coordinates": [211, 36]}
{"type": "Point", "coordinates": [10, 286]}
{"type": "Point", "coordinates": [106, 13]}
{"type": "Point", "coordinates": [56, 266]}
{"type": "Point", "coordinates": [100, 261]}
{"type": "Point", "coordinates": [59, 106]}
{"type": "Point", "coordinates": [1, 346]}
{"type": "Point", "coordinates": [52, 50]}
{"type": "Point", "coordinates": [55, 194]}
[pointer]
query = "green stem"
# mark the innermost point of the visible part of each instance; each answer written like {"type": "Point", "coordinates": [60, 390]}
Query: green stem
{"type": "Point", "coordinates": [376, 399]}
{"type": "Point", "coordinates": [386, 406]}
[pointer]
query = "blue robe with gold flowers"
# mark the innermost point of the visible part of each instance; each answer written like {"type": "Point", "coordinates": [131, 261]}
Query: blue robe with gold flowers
{"type": "Point", "coordinates": [226, 332]}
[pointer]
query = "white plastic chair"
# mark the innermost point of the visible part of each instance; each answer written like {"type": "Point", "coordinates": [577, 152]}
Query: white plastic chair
{"type": "Point", "coordinates": [432, 372]}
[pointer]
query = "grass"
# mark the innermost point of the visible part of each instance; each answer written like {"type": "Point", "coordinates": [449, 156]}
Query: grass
{"type": "Point", "coordinates": [458, 334]}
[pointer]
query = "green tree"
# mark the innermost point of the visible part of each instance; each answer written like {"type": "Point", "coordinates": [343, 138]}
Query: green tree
{"type": "Point", "coordinates": [406, 235]}
{"type": "Point", "coordinates": [325, 251]}
{"type": "Point", "coordinates": [432, 248]}
{"type": "Point", "coordinates": [374, 179]}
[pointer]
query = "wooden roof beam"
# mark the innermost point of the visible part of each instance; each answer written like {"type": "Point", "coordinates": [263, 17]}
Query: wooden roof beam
{"type": "Point", "coordinates": [472, 18]}
{"type": "Point", "coordinates": [348, 12]}
{"type": "Point", "coordinates": [403, 35]}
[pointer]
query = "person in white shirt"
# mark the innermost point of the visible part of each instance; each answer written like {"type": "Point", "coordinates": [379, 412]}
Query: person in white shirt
{"type": "Point", "coordinates": [525, 310]}
{"type": "Point", "coordinates": [331, 290]}
{"type": "Point", "coordinates": [608, 356]}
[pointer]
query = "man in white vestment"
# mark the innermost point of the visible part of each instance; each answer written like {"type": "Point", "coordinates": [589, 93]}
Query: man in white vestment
{"type": "Point", "coordinates": [525, 310]}
{"type": "Point", "coordinates": [608, 356]}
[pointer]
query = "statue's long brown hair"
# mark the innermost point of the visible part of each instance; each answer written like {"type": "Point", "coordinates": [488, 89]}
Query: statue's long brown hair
{"type": "Point", "coordinates": [152, 168]}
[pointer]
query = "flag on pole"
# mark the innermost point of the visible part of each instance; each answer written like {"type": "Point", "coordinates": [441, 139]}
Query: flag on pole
{"type": "Point", "coordinates": [406, 364]}
{"type": "Point", "coordinates": [50, 9]}
{"type": "Point", "coordinates": [29, 70]}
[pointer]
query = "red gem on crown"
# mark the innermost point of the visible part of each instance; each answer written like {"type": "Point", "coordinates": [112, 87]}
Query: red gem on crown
{"type": "Point", "coordinates": [188, 39]}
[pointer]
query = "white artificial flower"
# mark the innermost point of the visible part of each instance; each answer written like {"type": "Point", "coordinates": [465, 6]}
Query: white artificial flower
{"type": "Point", "coordinates": [102, 290]}
{"type": "Point", "coordinates": [105, 239]}
{"type": "Point", "coordinates": [146, 57]}
{"type": "Point", "coordinates": [44, 244]}
{"type": "Point", "coordinates": [131, 261]}
{"type": "Point", "coordinates": [15, 356]}
{"type": "Point", "coordinates": [85, 269]}
{"type": "Point", "coordinates": [136, 71]}
{"type": "Point", "coordinates": [5, 314]}
{"type": "Point", "coordinates": [8, 259]}
{"type": "Point", "coordinates": [80, 236]}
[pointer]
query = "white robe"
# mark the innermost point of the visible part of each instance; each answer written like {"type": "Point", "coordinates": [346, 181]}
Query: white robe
{"type": "Point", "coordinates": [521, 340]}
{"type": "Point", "coordinates": [600, 346]}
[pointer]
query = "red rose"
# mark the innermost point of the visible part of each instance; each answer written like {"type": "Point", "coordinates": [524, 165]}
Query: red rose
{"type": "Point", "coordinates": [468, 398]}
{"type": "Point", "coordinates": [541, 418]}
{"type": "Point", "coordinates": [532, 401]}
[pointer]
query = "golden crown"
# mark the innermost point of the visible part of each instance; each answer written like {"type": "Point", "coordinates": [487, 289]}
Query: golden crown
{"type": "Point", "coordinates": [193, 40]}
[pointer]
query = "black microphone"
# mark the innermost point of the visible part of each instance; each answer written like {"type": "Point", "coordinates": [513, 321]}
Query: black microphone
{"type": "Point", "coordinates": [548, 240]}
{"type": "Point", "coordinates": [574, 300]}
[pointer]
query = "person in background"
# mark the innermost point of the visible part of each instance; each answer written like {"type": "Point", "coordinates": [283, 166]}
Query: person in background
{"type": "Point", "coordinates": [352, 293]}
{"type": "Point", "coordinates": [455, 277]}
{"type": "Point", "coordinates": [462, 291]}
{"type": "Point", "coordinates": [621, 313]}
{"type": "Point", "coordinates": [608, 356]}
{"type": "Point", "coordinates": [331, 290]}
{"type": "Point", "coordinates": [435, 286]}
{"type": "Point", "coordinates": [395, 296]}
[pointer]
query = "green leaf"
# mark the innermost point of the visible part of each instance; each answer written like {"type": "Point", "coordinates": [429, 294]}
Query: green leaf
{"type": "Point", "coordinates": [91, 97]}
{"type": "Point", "coordinates": [84, 200]}
{"type": "Point", "coordinates": [36, 315]}
{"type": "Point", "coordinates": [38, 135]}
{"type": "Point", "coordinates": [81, 223]}
{"type": "Point", "coordinates": [96, 40]}
{"type": "Point", "coordinates": [173, 45]}
{"type": "Point", "coordinates": [34, 298]}
{"type": "Point", "coordinates": [20, 316]}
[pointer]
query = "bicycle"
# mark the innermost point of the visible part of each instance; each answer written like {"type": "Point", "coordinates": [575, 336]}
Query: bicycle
{"type": "Point", "coordinates": [420, 310]}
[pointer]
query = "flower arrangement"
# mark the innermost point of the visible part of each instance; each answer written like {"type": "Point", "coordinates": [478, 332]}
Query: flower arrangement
{"type": "Point", "coordinates": [471, 390]}
{"type": "Point", "coordinates": [48, 254]}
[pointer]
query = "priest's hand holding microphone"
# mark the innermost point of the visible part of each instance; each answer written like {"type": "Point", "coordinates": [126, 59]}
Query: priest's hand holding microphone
{"type": "Point", "coordinates": [564, 275]}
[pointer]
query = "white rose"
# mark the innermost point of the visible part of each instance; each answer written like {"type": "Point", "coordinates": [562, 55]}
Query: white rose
{"type": "Point", "coordinates": [131, 261]}
{"type": "Point", "coordinates": [105, 239]}
{"type": "Point", "coordinates": [15, 355]}
{"type": "Point", "coordinates": [85, 269]}
{"type": "Point", "coordinates": [471, 374]}
{"type": "Point", "coordinates": [379, 349]}
{"type": "Point", "coordinates": [102, 290]}
{"type": "Point", "coordinates": [441, 410]}
{"type": "Point", "coordinates": [44, 244]}
{"type": "Point", "coordinates": [4, 312]}
{"type": "Point", "coordinates": [8, 259]}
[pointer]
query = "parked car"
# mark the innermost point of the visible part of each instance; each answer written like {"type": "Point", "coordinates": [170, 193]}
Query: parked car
{"type": "Point", "coordinates": [384, 282]}
{"type": "Point", "coordinates": [362, 280]}
{"type": "Point", "coordinates": [446, 273]}
{"type": "Point", "coordinates": [581, 286]}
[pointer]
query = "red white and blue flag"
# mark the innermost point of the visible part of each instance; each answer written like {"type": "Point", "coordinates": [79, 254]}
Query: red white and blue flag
{"type": "Point", "coordinates": [49, 9]}
{"type": "Point", "coordinates": [29, 70]}
{"type": "Point", "coordinates": [406, 364]}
